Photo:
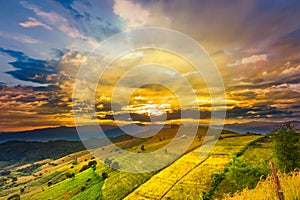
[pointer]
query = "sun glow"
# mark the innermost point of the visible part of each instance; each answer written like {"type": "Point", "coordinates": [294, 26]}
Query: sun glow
{"type": "Point", "coordinates": [149, 109]}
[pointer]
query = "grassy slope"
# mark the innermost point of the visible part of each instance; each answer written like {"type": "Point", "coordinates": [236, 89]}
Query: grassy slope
{"type": "Point", "coordinates": [242, 172]}
{"type": "Point", "coordinates": [121, 184]}
{"type": "Point", "coordinates": [190, 175]}
{"type": "Point", "coordinates": [265, 190]}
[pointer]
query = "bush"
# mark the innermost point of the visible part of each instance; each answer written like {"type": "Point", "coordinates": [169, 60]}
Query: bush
{"type": "Point", "coordinates": [70, 175]}
{"type": "Point", "coordinates": [74, 162]}
{"type": "Point", "coordinates": [287, 148]}
{"type": "Point", "coordinates": [84, 167]}
{"type": "Point", "coordinates": [53, 164]}
{"type": "Point", "coordinates": [83, 188]}
{"type": "Point", "coordinates": [14, 197]}
{"type": "Point", "coordinates": [92, 163]}
{"type": "Point", "coordinates": [5, 173]}
{"type": "Point", "coordinates": [245, 175]}
{"type": "Point", "coordinates": [115, 165]}
{"type": "Point", "coordinates": [104, 175]}
{"type": "Point", "coordinates": [29, 170]}
{"type": "Point", "coordinates": [107, 161]}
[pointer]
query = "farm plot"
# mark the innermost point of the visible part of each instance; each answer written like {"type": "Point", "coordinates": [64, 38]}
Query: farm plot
{"type": "Point", "coordinates": [190, 175]}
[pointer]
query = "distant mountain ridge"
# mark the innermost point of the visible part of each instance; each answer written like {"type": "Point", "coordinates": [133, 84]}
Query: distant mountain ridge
{"type": "Point", "coordinates": [257, 127]}
{"type": "Point", "coordinates": [70, 133]}
{"type": "Point", "coordinates": [59, 133]}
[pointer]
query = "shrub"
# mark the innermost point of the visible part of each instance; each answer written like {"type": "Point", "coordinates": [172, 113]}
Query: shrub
{"type": "Point", "coordinates": [70, 175]}
{"type": "Point", "coordinates": [53, 164]}
{"type": "Point", "coordinates": [84, 167]}
{"type": "Point", "coordinates": [107, 161]}
{"type": "Point", "coordinates": [104, 175]}
{"type": "Point", "coordinates": [246, 175]}
{"type": "Point", "coordinates": [74, 162]}
{"type": "Point", "coordinates": [92, 163]}
{"type": "Point", "coordinates": [115, 165]}
{"type": "Point", "coordinates": [287, 148]}
{"type": "Point", "coordinates": [14, 197]}
{"type": "Point", "coordinates": [5, 173]}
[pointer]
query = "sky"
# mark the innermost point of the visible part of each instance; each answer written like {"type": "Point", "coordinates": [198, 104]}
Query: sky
{"type": "Point", "coordinates": [254, 44]}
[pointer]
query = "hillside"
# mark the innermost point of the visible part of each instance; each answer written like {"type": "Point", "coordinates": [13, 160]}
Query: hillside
{"type": "Point", "coordinates": [190, 176]}
{"type": "Point", "coordinates": [265, 189]}
{"type": "Point", "coordinates": [67, 178]}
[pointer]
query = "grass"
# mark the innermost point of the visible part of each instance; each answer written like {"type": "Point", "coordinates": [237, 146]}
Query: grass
{"type": "Point", "coordinates": [188, 176]}
{"type": "Point", "coordinates": [247, 169]}
{"type": "Point", "coordinates": [191, 175]}
{"type": "Point", "coordinates": [290, 184]}
{"type": "Point", "coordinates": [83, 182]}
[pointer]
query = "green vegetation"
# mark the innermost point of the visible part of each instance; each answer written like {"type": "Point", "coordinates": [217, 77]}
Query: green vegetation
{"type": "Point", "coordinates": [73, 187]}
{"type": "Point", "coordinates": [236, 161]}
{"type": "Point", "coordinates": [287, 148]}
{"type": "Point", "coordinates": [190, 176]}
{"type": "Point", "coordinates": [290, 184]}
{"type": "Point", "coordinates": [30, 169]}
{"type": "Point", "coordinates": [19, 153]}
{"type": "Point", "coordinates": [247, 168]}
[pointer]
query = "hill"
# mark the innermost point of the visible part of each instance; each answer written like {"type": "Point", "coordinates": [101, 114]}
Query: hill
{"type": "Point", "coordinates": [69, 178]}
{"type": "Point", "coordinates": [257, 127]}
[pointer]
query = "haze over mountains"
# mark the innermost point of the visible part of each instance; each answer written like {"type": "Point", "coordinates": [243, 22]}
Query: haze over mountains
{"type": "Point", "coordinates": [70, 133]}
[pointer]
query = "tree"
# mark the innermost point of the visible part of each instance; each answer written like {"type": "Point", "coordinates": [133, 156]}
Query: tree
{"type": "Point", "coordinates": [92, 163]}
{"type": "Point", "coordinates": [104, 175]}
{"type": "Point", "coordinates": [115, 165]}
{"type": "Point", "coordinates": [107, 161]}
{"type": "Point", "coordinates": [287, 148]}
{"type": "Point", "coordinates": [49, 184]}
{"type": "Point", "coordinates": [70, 175]}
{"type": "Point", "coordinates": [84, 167]}
{"type": "Point", "coordinates": [14, 197]}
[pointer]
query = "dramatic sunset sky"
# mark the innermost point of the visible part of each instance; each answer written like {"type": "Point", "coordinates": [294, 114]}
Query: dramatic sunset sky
{"type": "Point", "coordinates": [255, 45]}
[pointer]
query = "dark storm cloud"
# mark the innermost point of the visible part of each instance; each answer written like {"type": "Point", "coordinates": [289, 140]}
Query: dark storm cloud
{"type": "Point", "coordinates": [30, 69]}
{"type": "Point", "coordinates": [174, 115]}
{"type": "Point", "coordinates": [263, 111]}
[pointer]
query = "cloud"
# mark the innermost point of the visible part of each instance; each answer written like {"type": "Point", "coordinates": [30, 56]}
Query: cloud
{"type": "Point", "coordinates": [88, 18]}
{"type": "Point", "coordinates": [56, 20]}
{"type": "Point", "coordinates": [250, 60]}
{"type": "Point", "coordinates": [132, 12]}
{"type": "Point", "coordinates": [137, 14]}
{"type": "Point", "coordinates": [68, 5]}
{"type": "Point", "coordinates": [263, 111]}
{"type": "Point", "coordinates": [291, 70]}
{"type": "Point", "coordinates": [20, 38]}
{"type": "Point", "coordinates": [236, 63]}
{"type": "Point", "coordinates": [30, 69]}
{"type": "Point", "coordinates": [255, 59]}
{"type": "Point", "coordinates": [33, 22]}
